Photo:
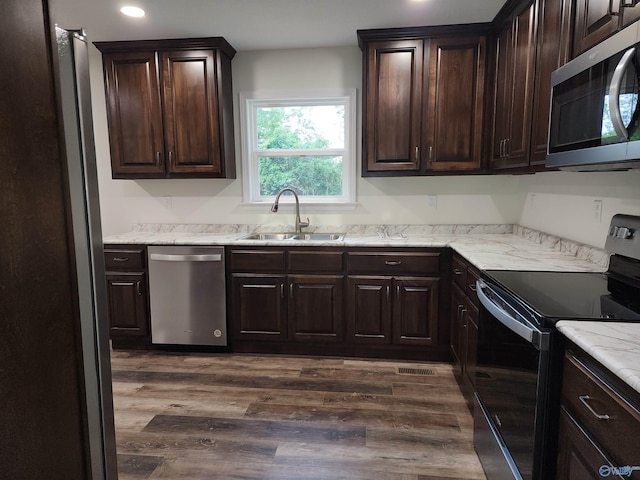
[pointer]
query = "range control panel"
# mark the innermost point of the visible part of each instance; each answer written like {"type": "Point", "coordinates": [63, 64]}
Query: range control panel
{"type": "Point", "coordinates": [624, 236]}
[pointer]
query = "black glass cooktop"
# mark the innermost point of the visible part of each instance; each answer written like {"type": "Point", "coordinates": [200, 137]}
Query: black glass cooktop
{"type": "Point", "coordinates": [566, 295]}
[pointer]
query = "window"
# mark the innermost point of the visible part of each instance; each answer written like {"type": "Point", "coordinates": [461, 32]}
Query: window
{"type": "Point", "coordinates": [302, 142]}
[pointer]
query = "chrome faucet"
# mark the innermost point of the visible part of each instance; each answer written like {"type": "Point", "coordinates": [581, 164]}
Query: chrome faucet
{"type": "Point", "coordinates": [274, 208]}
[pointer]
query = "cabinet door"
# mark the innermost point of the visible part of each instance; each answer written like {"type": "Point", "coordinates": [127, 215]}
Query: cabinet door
{"type": "Point", "coordinates": [127, 304]}
{"type": "Point", "coordinates": [595, 21]}
{"type": "Point", "coordinates": [316, 308]}
{"type": "Point", "coordinates": [369, 309]}
{"type": "Point", "coordinates": [394, 96]}
{"type": "Point", "coordinates": [471, 327]}
{"type": "Point", "coordinates": [457, 306]}
{"type": "Point", "coordinates": [523, 65]}
{"type": "Point", "coordinates": [552, 51]}
{"type": "Point", "coordinates": [259, 307]}
{"type": "Point", "coordinates": [578, 457]}
{"type": "Point", "coordinates": [415, 311]}
{"type": "Point", "coordinates": [134, 114]}
{"type": "Point", "coordinates": [192, 125]}
{"type": "Point", "coordinates": [502, 94]}
{"type": "Point", "coordinates": [453, 126]}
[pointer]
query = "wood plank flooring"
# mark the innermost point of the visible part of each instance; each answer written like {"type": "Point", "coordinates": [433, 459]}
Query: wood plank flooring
{"type": "Point", "coordinates": [245, 417]}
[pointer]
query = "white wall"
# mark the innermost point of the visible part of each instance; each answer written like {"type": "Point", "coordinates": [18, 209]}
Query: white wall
{"type": "Point", "coordinates": [562, 203]}
{"type": "Point", "coordinates": [555, 202]}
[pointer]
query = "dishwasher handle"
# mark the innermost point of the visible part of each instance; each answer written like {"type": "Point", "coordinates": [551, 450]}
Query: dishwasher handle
{"type": "Point", "coordinates": [163, 257]}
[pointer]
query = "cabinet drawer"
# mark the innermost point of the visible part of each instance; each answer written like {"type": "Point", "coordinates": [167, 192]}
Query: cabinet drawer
{"type": "Point", "coordinates": [389, 263]}
{"type": "Point", "coordinates": [124, 259]}
{"type": "Point", "coordinates": [459, 273]}
{"type": "Point", "coordinates": [315, 261]}
{"type": "Point", "coordinates": [257, 260]}
{"type": "Point", "coordinates": [612, 423]}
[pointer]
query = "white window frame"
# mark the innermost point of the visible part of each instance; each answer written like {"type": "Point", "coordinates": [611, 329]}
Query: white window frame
{"type": "Point", "coordinates": [251, 101]}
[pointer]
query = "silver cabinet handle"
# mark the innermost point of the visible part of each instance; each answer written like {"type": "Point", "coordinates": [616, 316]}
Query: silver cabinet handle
{"type": "Point", "coordinates": [507, 147]}
{"type": "Point", "coordinates": [457, 271]}
{"type": "Point", "coordinates": [388, 294]}
{"type": "Point", "coordinates": [171, 157]}
{"type": "Point", "coordinates": [585, 401]}
{"type": "Point", "coordinates": [120, 259]}
{"type": "Point", "coordinates": [282, 290]}
{"type": "Point", "coordinates": [186, 258]}
{"type": "Point", "coordinates": [392, 263]}
{"type": "Point", "coordinates": [291, 290]}
{"type": "Point", "coordinates": [138, 289]}
{"type": "Point", "coordinates": [472, 287]}
{"type": "Point", "coordinates": [159, 157]}
{"type": "Point", "coordinates": [430, 154]}
{"type": "Point", "coordinates": [417, 154]}
{"type": "Point", "coordinates": [614, 94]}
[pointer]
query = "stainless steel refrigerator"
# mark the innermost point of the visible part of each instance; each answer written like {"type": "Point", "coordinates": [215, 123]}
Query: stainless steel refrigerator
{"type": "Point", "coordinates": [72, 70]}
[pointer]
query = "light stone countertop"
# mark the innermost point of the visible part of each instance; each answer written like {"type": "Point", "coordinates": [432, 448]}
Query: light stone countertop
{"type": "Point", "coordinates": [488, 247]}
{"type": "Point", "coordinates": [615, 345]}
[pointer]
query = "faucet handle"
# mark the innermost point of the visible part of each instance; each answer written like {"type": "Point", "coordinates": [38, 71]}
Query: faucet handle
{"type": "Point", "coordinates": [304, 224]}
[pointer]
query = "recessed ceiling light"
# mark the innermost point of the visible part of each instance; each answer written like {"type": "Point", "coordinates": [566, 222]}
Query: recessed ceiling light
{"type": "Point", "coordinates": [132, 11]}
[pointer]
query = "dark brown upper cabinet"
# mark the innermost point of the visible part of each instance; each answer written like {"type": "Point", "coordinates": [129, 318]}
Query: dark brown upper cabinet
{"type": "Point", "coordinates": [535, 39]}
{"type": "Point", "coordinates": [515, 68]}
{"type": "Point", "coordinates": [423, 100]}
{"type": "Point", "coordinates": [169, 108]}
{"type": "Point", "coordinates": [599, 19]}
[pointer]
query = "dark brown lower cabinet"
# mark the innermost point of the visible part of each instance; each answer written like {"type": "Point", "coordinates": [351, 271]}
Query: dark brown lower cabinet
{"type": "Point", "coordinates": [259, 307]}
{"type": "Point", "coordinates": [464, 311]}
{"type": "Point", "coordinates": [385, 310]}
{"type": "Point", "coordinates": [369, 310]}
{"type": "Point", "coordinates": [316, 308]}
{"type": "Point", "coordinates": [127, 296]}
{"type": "Point", "coordinates": [415, 310]}
{"type": "Point", "coordinates": [599, 422]}
{"type": "Point", "coordinates": [276, 299]}
{"type": "Point", "coordinates": [336, 301]}
{"type": "Point", "coordinates": [579, 457]}
{"type": "Point", "coordinates": [127, 304]}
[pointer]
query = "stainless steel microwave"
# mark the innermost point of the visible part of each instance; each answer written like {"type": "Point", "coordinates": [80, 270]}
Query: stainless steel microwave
{"type": "Point", "coordinates": [594, 121]}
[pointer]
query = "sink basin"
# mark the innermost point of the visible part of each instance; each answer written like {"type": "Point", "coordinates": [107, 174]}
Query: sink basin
{"type": "Point", "coordinates": [270, 236]}
{"type": "Point", "coordinates": [329, 237]}
{"type": "Point", "coordinates": [320, 237]}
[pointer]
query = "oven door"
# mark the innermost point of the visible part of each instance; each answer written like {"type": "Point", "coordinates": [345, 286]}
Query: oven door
{"type": "Point", "coordinates": [511, 379]}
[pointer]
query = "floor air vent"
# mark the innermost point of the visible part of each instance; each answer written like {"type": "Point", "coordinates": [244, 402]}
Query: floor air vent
{"type": "Point", "coordinates": [416, 371]}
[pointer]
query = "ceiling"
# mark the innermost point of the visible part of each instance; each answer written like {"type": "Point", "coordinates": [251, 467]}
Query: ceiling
{"type": "Point", "coordinates": [264, 24]}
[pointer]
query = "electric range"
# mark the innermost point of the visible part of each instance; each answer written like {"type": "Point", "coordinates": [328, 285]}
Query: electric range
{"type": "Point", "coordinates": [519, 357]}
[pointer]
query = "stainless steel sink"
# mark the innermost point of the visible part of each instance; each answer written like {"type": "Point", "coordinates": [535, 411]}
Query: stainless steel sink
{"type": "Point", "coordinates": [270, 236]}
{"type": "Point", "coordinates": [319, 237]}
{"type": "Point", "coordinates": [329, 237]}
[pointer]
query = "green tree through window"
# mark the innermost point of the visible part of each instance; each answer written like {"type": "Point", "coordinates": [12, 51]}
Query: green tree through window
{"type": "Point", "coordinates": [292, 128]}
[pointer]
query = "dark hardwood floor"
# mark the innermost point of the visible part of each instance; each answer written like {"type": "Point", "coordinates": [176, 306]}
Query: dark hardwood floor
{"type": "Point", "coordinates": [227, 416]}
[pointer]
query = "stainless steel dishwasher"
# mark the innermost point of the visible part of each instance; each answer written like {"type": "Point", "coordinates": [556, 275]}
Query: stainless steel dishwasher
{"type": "Point", "coordinates": [187, 295]}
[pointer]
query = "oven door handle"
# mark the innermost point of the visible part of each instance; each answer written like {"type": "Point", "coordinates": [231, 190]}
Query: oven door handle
{"type": "Point", "coordinates": [532, 335]}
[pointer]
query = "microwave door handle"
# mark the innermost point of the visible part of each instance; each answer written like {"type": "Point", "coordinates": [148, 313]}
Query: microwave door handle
{"type": "Point", "coordinates": [614, 94]}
